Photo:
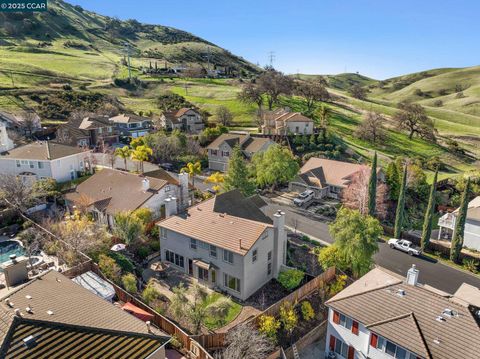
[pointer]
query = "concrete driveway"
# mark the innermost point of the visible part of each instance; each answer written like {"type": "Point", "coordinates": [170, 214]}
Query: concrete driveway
{"type": "Point", "coordinates": [432, 272]}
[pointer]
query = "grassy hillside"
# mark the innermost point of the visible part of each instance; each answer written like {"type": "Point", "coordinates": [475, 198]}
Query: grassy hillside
{"type": "Point", "coordinates": [342, 81]}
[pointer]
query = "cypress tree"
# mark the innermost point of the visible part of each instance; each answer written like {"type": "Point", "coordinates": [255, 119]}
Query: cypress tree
{"type": "Point", "coordinates": [457, 240]}
{"type": "Point", "coordinates": [427, 224]}
{"type": "Point", "coordinates": [372, 188]}
{"type": "Point", "coordinates": [400, 206]}
{"type": "Point", "coordinates": [237, 175]}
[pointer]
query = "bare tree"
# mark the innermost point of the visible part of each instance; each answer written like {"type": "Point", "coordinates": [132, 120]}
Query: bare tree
{"type": "Point", "coordinates": [32, 239]}
{"type": "Point", "coordinates": [30, 122]}
{"type": "Point", "coordinates": [224, 115]}
{"type": "Point", "coordinates": [272, 84]}
{"type": "Point", "coordinates": [251, 94]}
{"type": "Point", "coordinates": [372, 129]}
{"type": "Point", "coordinates": [412, 117]}
{"type": "Point", "coordinates": [245, 342]}
{"type": "Point", "coordinates": [16, 193]}
{"type": "Point", "coordinates": [355, 196]}
{"type": "Point", "coordinates": [358, 91]}
{"type": "Point", "coordinates": [312, 91]}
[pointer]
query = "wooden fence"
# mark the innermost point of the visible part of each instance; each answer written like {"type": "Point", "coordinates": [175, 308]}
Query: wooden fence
{"type": "Point", "coordinates": [194, 349]}
{"type": "Point", "coordinates": [311, 337]}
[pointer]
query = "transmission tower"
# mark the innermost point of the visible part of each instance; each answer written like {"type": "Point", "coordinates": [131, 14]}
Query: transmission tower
{"type": "Point", "coordinates": [271, 58]}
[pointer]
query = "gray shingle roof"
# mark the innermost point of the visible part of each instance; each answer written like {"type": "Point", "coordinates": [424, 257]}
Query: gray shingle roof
{"type": "Point", "coordinates": [46, 150]}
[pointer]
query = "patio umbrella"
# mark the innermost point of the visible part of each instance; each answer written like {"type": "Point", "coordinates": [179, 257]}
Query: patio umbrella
{"type": "Point", "coordinates": [118, 247]}
{"type": "Point", "coordinates": [158, 266]}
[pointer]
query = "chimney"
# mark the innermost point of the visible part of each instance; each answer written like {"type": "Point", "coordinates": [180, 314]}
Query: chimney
{"type": "Point", "coordinates": [279, 242]}
{"type": "Point", "coordinates": [149, 328]}
{"type": "Point", "coordinates": [170, 206]}
{"type": "Point", "coordinates": [145, 184]}
{"type": "Point", "coordinates": [17, 312]}
{"type": "Point", "coordinates": [412, 275]}
{"type": "Point", "coordinates": [184, 197]}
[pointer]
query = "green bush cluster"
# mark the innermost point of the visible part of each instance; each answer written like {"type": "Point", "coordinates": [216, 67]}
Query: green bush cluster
{"type": "Point", "coordinates": [291, 278]}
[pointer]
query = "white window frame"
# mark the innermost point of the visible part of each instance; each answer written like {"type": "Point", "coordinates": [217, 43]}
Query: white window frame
{"type": "Point", "coordinates": [227, 255]}
{"type": "Point", "coordinates": [254, 255]}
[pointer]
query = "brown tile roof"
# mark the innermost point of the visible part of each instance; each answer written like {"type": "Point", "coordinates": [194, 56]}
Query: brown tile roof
{"type": "Point", "coordinates": [115, 190]}
{"type": "Point", "coordinates": [162, 175]}
{"type": "Point", "coordinates": [232, 139]}
{"type": "Point", "coordinates": [247, 143]}
{"type": "Point", "coordinates": [81, 325]}
{"type": "Point", "coordinates": [336, 173]}
{"type": "Point", "coordinates": [45, 150]}
{"type": "Point", "coordinates": [232, 232]}
{"type": "Point", "coordinates": [410, 320]}
{"type": "Point", "coordinates": [183, 111]}
{"type": "Point", "coordinates": [90, 123]}
{"type": "Point", "coordinates": [175, 115]}
{"type": "Point", "coordinates": [255, 144]}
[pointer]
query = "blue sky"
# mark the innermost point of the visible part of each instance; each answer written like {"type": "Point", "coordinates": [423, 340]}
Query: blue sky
{"type": "Point", "coordinates": [378, 38]}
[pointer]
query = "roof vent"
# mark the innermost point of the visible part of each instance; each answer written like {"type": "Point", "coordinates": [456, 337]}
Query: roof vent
{"type": "Point", "coordinates": [29, 310]}
{"type": "Point", "coordinates": [28, 296]}
{"type": "Point", "coordinates": [436, 341]}
{"type": "Point", "coordinates": [401, 292]}
{"type": "Point", "coordinates": [450, 313]}
{"type": "Point", "coordinates": [49, 312]}
{"type": "Point", "coordinates": [29, 341]}
{"type": "Point", "coordinates": [440, 319]}
{"type": "Point", "coordinates": [8, 302]}
{"type": "Point", "coordinates": [18, 313]}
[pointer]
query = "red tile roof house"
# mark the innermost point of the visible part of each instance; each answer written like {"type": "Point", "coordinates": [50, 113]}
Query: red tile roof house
{"type": "Point", "coordinates": [284, 122]}
{"type": "Point", "coordinates": [186, 120]}
{"type": "Point", "coordinates": [327, 178]}
{"type": "Point", "coordinates": [384, 316]}
{"type": "Point", "coordinates": [226, 243]}
{"type": "Point", "coordinates": [110, 191]}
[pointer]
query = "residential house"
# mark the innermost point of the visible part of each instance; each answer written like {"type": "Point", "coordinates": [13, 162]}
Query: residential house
{"type": "Point", "coordinates": [327, 178]}
{"type": "Point", "coordinates": [53, 317]}
{"type": "Point", "coordinates": [471, 236]}
{"type": "Point", "coordinates": [45, 160]}
{"type": "Point", "coordinates": [110, 191]}
{"type": "Point", "coordinates": [6, 143]}
{"type": "Point", "coordinates": [383, 316]}
{"type": "Point", "coordinates": [26, 123]}
{"type": "Point", "coordinates": [220, 150]}
{"type": "Point", "coordinates": [132, 126]}
{"type": "Point", "coordinates": [227, 243]}
{"type": "Point", "coordinates": [92, 131]}
{"type": "Point", "coordinates": [186, 120]}
{"type": "Point", "coordinates": [284, 122]}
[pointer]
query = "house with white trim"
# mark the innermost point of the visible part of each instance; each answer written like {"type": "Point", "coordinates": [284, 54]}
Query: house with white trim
{"type": "Point", "coordinates": [384, 316]}
{"type": "Point", "coordinates": [226, 243]}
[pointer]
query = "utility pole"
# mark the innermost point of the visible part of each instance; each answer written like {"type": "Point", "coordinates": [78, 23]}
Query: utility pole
{"type": "Point", "coordinates": [271, 58]}
{"type": "Point", "coordinates": [127, 48]}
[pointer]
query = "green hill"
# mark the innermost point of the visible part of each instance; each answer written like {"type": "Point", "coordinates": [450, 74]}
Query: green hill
{"type": "Point", "coordinates": [342, 81]}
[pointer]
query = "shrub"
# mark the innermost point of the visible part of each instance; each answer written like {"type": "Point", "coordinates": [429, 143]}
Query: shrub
{"type": "Point", "coordinates": [155, 245]}
{"type": "Point", "coordinates": [337, 285]}
{"type": "Point", "coordinates": [470, 264]}
{"type": "Point", "coordinates": [307, 310]}
{"type": "Point", "coordinates": [269, 326]}
{"type": "Point", "coordinates": [290, 278]}
{"type": "Point", "coordinates": [109, 268]}
{"type": "Point", "coordinates": [288, 317]}
{"type": "Point", "coordinates": [438, 103]}
{"type": "Point", "coordinates": [123, 262]}
{"type": "Point", "coordinates": [129, 282]}
{"type": "Point", "coordinates": [150, 293]}
{"type": "Point", "coordinates": [143, 252]}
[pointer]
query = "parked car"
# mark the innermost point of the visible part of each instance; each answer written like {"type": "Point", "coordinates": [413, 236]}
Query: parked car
{"type": "Point", "coordinates": [303, 197]}
{"type": "Point", "coordinates": [405, 246]}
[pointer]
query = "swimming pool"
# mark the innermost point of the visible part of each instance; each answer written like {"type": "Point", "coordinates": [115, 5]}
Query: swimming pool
{"type": "Point", "coordinates": [9, 247]}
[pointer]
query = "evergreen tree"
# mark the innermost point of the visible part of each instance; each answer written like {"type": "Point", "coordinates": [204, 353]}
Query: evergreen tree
{"type": "Point", "coordinates": [457, 240]}
{"type": "Point", "coordinates": [427, 224]}
{"type": "Point", "coordinates": [400, 206]}
{"type": "Point", "coordinates": [237, 174]}
{"type": "Point", "coordinates": [393, 180]}
{"type": "Point", "coordinates": [372, 188]}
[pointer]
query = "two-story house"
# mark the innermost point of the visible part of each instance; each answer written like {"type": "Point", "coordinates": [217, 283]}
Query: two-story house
{"type": "Point", "coordinates": [110, 191]}
{"type": "Point", "coordinates": [220, 150]}
{"type": "Point", "coordinates": [46, 159]}
{"type": "Point", "coordinates": [283, 122]}
{"type": "Point", "coordinates": [226, 243]}
{"type": "Point", "coordinates": [471, 236]}
{"type": "Point", "coordinates": [132, 126]}
{"type": "Point", "coordinates": [327, 178]}
{"type": "Point", "coordinates": [384, 316]}
{"type": "Point", "coordinates": [91, 131]}
{"type": "Point", "coordinates": [185, 119]}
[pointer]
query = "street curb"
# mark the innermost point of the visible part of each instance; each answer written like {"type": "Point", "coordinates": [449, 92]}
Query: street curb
{"type": "Point", "coordinates": [321, 241]}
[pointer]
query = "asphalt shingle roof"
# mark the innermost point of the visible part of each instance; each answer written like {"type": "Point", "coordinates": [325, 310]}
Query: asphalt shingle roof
{"type": "Point", "coordinates": [44, 150]}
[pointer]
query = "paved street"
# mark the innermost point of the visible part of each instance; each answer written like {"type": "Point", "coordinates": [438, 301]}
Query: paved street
{"type": "Point", "coordinates": [433, 273]}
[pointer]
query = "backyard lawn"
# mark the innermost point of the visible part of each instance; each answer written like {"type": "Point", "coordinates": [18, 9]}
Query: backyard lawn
{"type": "Point", "coordinates": [213, 323]}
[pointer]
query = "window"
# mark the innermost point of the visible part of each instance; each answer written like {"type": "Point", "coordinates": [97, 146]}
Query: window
{"type": "Point", "coordinates": [40, 164]}
{"type": "Point", "coordinates": [32, 164]}
{"type": "Point", "coordinates": [214, 152]}
{"type": "Point", "coordinates": [167, 188]}
{"type": "Point", "coordinates": [254, 256]}
{"type": "Point", "coordinates": [193, 244]}
{"type": "Point", "coordinates": [228, 256]}
{"type": "Point", "coordinates": [225, 154]}
{"type": "Point", "coordinates": [109, 128]}
{"type": "Point", "coordinates": [204, 245]}
{"type": "Point", "coordinates": [202, 274]}
{"type": "Point", "coordinates": [100, 130]}
{"type": "Point", "coordinates": [341, 348]}
{"type": "Point", "coordinates": [18, 163]}
{"type": "Point", "coordinates": [163, 233]}
{"type": "Point", "coordinates": [269, 256]}
{"type": "Point", "coordinates": [24, 163]}
{"type": "Point", "coordinates": [231, 282]}
{"type": "Point", "coordinates": [390, 348]}
{"type": "Point", "coordinates": [213, 251]}
{"type": "Point", "coordinates": [269, 268]}
{"type": "Point", "coordinates": [174, 258]}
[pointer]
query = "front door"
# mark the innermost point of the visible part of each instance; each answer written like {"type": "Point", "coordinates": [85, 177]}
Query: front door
{"type": "Point", "coordinates": [162, 211]}
{"type": "Point", "coordinates": [214, 276]}
{"type": "Point", "coordinates": [190, 267]}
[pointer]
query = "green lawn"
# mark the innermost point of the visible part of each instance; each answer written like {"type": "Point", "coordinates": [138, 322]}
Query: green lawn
{"type": "Point", "coordinates": [213, 323]}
